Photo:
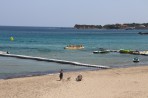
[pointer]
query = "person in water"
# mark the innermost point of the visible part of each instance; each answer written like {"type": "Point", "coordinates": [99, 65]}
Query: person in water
{"type": "Point", "coordinates": [61, 75]}
{"type": "Point", "coordinates": [7, 52]}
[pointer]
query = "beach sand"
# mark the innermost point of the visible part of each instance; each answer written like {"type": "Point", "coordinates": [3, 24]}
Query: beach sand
{"type": "Point", "coordinates": [110, 83]}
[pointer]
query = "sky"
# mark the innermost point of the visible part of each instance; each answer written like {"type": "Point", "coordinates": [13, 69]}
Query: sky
{"type": "Point", "coordinates": [67, 13]}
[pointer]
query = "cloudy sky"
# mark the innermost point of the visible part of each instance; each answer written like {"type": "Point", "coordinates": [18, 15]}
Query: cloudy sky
{"type": "Point", "coordinates": [67, 13]}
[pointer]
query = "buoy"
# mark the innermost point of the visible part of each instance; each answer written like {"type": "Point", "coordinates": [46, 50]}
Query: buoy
{"type": "Point", "coordinates": [11, 38]}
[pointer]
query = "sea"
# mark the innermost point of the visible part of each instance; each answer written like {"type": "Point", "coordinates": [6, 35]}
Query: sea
{"type": "Point", "coordinates": [49, 42]}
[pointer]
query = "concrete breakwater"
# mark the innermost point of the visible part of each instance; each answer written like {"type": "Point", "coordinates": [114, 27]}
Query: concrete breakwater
{"type": "Point", "coordinates": [52, 60]}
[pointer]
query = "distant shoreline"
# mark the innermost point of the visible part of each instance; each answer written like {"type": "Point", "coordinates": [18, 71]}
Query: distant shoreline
{"type": "Point", "coordinates": [126, 26]}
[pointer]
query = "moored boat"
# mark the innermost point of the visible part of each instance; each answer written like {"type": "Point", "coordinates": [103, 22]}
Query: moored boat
{"type": "Point", "coordinates": [74, 47]}
{"type": "Point", "coordinates": [144, 53]}
{"type": "Point", "coordinates": [101, 50]}
{"type": "Point", "coordinates": [143, 33]}
{"type": "Point", "coordinates": [136, 60]}
{"type": "Point", "coordinates": [125, 51]}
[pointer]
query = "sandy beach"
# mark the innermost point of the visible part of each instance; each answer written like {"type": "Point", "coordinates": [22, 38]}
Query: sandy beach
{"type": "Point", "coordinates": [110, 83]}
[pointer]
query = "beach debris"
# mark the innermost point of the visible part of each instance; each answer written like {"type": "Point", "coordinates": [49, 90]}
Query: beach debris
{"type": "Point", "coordinates": [79, 77]}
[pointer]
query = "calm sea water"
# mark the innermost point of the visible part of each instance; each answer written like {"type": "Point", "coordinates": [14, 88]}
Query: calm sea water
{"type": "Point", "coordinates": [50, 43]}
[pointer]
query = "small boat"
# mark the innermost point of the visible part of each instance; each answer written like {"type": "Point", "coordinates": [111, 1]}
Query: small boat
{"type": "Point", "coordinates": [74, 47]}
{"type": "Point", "coordinates": [101, 50]}
{"type": "Point", "coordinates": [130, 28]}
{"type": "Point", "coordinates": [125, 51]}
{"type": "Point", "coordinates": [136, 60]}
{"type": "Point", "coordinates": [136, 52]}
{"type": "Point", "coordinates": [144, 53]}
{"type": "Point", "coordinates": [143, 33]}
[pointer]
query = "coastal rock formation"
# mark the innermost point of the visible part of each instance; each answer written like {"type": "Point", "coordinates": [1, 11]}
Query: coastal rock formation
{"type": "Point", "coordinates": [88, 26]}
{"type": "Point", "coordinates": [127, 26]}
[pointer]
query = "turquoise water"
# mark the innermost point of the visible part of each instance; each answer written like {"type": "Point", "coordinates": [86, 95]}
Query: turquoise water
{"type": "Point", "coordinates": [50, 43]}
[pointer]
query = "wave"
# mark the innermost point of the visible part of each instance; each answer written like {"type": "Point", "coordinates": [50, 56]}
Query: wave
{"type": "Point", "coordinates": [54, 60]}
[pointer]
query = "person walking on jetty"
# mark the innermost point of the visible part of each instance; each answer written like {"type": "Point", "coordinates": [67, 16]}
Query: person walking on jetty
{"type": "Point", "coordinates": [61, 74]}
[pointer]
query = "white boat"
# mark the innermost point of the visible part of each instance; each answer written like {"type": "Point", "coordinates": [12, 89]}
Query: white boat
{"type": "Point", "coordinates": [136, 60]}
{"type": "Point", "coordinates": [101, 50]}
{"type": "Point", "coordinates": [144, 53]}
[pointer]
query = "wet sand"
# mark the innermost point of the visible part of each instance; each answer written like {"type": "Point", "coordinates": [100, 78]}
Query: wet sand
{"type": "Point", "coordinates": [129, 82]}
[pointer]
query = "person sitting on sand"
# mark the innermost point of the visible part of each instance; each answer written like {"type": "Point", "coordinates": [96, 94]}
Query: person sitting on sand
{"type": "Point", "coordinates": [61, 75]}
{"type": "Point", "coordinates": [79, 77]}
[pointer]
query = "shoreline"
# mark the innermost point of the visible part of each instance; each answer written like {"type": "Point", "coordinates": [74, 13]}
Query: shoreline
{"type": "Point", "coordinates": [34, 74]}
{"type": "Point", "coordinates": [72, 63]}
{"type": "Point", "coordinates": [128, 82]}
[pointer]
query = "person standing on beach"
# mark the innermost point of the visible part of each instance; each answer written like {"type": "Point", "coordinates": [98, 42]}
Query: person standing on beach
{"type": "Point", "coordinates": [61, 75]}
